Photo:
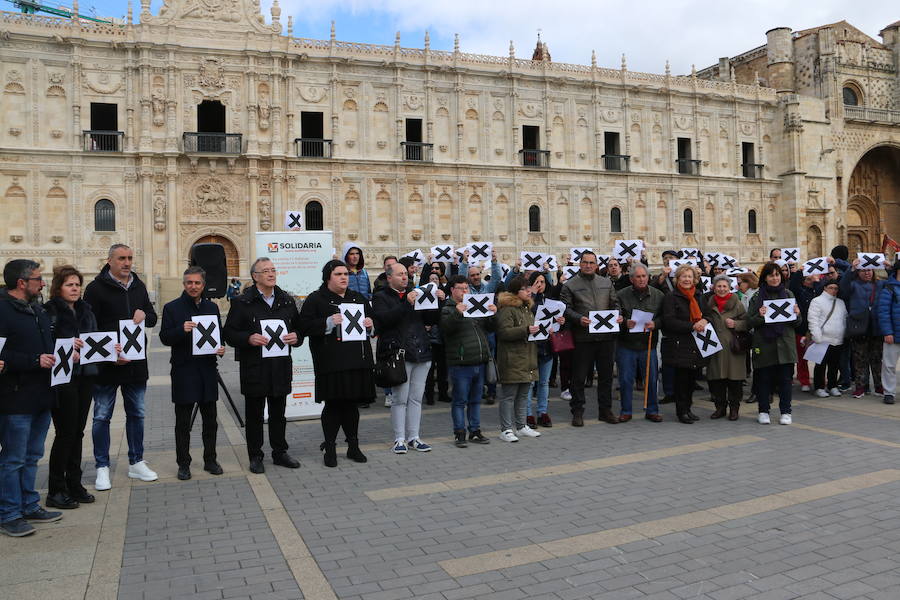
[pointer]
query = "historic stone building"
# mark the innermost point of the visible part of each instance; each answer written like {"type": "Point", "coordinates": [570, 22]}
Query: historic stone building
{"type": "Point", "coordinates": [205, 123]}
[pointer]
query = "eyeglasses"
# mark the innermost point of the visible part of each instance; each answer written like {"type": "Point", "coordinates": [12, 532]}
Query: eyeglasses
{"type": "Point", "coordinates": [266, 271]}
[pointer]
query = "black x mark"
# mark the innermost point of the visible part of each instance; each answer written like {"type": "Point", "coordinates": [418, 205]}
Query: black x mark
{"type": "Point", "coordinates": [478, 306]}
{"type": "Point", "coordinates": [206, 335]}
{"type": "Point", "coordinates": [63, 363]}
{"type": "Point", "coordinates": [780, 310]}
{"type": "Point", "coordinates": [713, 258]}
{"type": "Point", "coordinates": [353, 321]}
{"type": "Point", "coordinates": [547, 313]}
{"type": "Point", "coordinates": [543, 329]}
{"type": "Point", "coordinates": [274, 337]}
{"type": "Point", "coordinates": [443, 253]}
{"type": "Point", "coordinates": [479, 251]}
{"type": "Point", "coordinates": [532, 260]}
{"type": "Point", "coordinates": [816, 265]}
{"type": "Point", "coordinates": [426, 295]}
{"type": "Point", "coordinates": [870, 261]}
{"type": "Point", "coordinates": [603, 321]}
{"type": "Point", "coordinates": [576, 255]}
{"type": "Point", "coordinates": [295, 221]}
{"type": "Point", "coordinates": [790, 254]}
{"type": "Point", "coordinates": [132, 337]}
{"type": "Point", "coordinates": [727, 262]}
{"type": "Point", "coordinates": [628, 249]}
{"type": "Point", "coordinates": [97, 347]}
{"type": "Point", "coordinates": [706, 338]}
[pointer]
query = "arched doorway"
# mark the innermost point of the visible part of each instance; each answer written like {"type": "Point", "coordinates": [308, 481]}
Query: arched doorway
{"type": "Point", "coordinates": [232, 259]}
{"type": "Point", "coordinates": [814, 242]}
{"type": "Point", "coordinates": [873, 204]}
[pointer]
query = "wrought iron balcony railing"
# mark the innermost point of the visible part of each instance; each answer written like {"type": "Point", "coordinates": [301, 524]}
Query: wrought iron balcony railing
{"type": "Point", "coordinates": [103, 141]}
{"type": "Point", "coordinates": [212, 143]}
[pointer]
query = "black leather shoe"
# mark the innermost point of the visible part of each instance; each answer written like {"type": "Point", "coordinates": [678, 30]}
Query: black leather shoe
{"type": "Point", "coordinates": [212, 467]}
{"type": "Point", "coordinates": [285, 460]}
{"type": "Point", "coordinates": [256, 465]}
{"type": "Point", "coordinates": [692, 416]}
{"type": "Point", "coordinates": [82, 496]}
{"type": "Point", "coordinates": [60, 500]}
{"type": "Point", "coordinates": [184, 473]}
{"type": "Point", "coordinates": [685, 419]}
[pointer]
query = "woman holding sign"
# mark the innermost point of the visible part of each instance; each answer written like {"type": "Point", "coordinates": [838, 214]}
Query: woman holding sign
{"type": "Point", "coordinates": [681, 317]}
{"type": "Point", "coordinates": [728, 367]}
{"type": "Point", "coordinates": [774, 347]}
{"type": "Point", "coordinates": [70, 316]}
{"type": "Point", "coordinates": [343, 369]}
{"type": "Point", "coordinates": [538, 284]}
{"type": "Point", "coordinates": [517, 358]}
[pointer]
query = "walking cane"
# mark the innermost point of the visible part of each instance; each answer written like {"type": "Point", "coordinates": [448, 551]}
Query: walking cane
{"type": "Point", "coordinates": [647, 370]}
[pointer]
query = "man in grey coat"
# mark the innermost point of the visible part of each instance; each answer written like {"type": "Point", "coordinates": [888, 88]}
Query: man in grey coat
{"type": "Point", "coordinates": [588, 291]}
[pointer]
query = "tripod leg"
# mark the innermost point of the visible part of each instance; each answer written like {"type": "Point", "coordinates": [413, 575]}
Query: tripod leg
{"type": "Point", "coordinates": [237, 414]}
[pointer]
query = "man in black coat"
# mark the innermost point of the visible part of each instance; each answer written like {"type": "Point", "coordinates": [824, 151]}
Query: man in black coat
{"type": "Point", "coordinates": [25, 397]}
{"type": "Point", "coordinates": [263, 380]}
{"type": "Point", "coordinates": [194, 377]}
{"type": "Point", "coordinates": [118, 294]}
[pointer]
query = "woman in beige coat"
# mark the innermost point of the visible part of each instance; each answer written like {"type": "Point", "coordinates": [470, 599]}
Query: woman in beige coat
{"type": "Point", "coordinates": [727, 369]}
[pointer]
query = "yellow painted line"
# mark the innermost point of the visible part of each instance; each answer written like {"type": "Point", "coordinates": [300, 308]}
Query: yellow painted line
{"type": "Point", "coordinates": [851, 436]}
{"type": "Point", "coordinates": [537, 473]}
{"type": "Point", "coordinates": [857, 407]}
{"type": "Point", "coordinates": [524, 555]}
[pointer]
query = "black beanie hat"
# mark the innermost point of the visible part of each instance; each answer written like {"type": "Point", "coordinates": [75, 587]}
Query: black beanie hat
{"type": "Point", "coordinates": [841, 252]}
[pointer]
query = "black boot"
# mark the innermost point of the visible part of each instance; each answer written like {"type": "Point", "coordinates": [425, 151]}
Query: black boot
{"type": "Point", "coordinates": [720, 410]}
{"type": "Point", "coordinates": [330, 457]}
{"type": "Point", "coordinates": [354, 453]}
{"type": "Point", "coordinates": [734, 410]}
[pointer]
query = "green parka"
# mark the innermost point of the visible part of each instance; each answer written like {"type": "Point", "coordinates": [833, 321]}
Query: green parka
{"type": "Point", "coordinates": [465, 339]}
{"type": "Point", "coordinates": [781, 351]}
{"type": "Point", "coordinates": [516, 356]}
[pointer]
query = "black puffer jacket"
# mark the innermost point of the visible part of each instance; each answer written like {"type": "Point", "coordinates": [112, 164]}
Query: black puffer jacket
{"type": "Point", "coordinates": [260, 377]}
{"type": "Point", "coordinates": [112, 303]}
{"type": "Point", "coordinates": [67, 324]}
{"type": "Point", "coordinates": [24, 385]}
{"type": "Point", "coordinates": [399, 325]}
{"type": "Point", "coordinates": [679, 348]}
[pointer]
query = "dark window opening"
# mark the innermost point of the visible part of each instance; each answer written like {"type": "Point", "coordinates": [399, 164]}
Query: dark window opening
{"type": "Point", "coordinates": [686, 164]}
{"type": "Point", "coordinates": [104, 117]}
{"type": "Point", "coordinates": [751, 221]}
{"type": "Point", "coordinates": [315, 220]}
{"type": "Point", "coordinates": [615, 220]}
{"type": "Point", "coordinates": [748, 155]}
{"type": "Point", "coordinates": [851, 98]}
{"type": "Point", "coordinates": [414, 130]}
{"type": "Point", "coordinates": [688, 221]}
{"type": "Point", "coordinates": [104, 215]}
{"type": "Point", "coordinates": [534, 218]}
{"type": "Point", "coordinates": [312, 125]}
{"type": "Point", "coordinates": [684, 148]}
{"type": "Point", "coordinates": [611, 142]}
{"type": "Point", "coordinates": [531, 137]}
{"type": "Point", "coordinates": [210, 117]}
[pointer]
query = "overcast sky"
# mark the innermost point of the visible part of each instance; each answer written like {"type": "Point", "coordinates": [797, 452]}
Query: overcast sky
{"type": "Point", "coordinates": [647, 31]}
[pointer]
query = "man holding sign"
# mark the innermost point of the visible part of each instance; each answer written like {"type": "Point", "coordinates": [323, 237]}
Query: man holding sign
{"type": "Point", "coordinates": [117, 294]}
{"type": "Point", "coordinates": [585, 293]}
{"type": "Point", "coordinates": [264, 381]}
{"type": "Point", "coordinates": [191, 326]}
{"type": "Point", "coordinates": [25, 397]}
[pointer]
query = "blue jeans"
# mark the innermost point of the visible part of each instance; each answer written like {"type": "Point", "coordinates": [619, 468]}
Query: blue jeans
{"type": "Point", "coordinates": [22, 438]}
{"type": "Point", "coordinates": [542, 385]}
{"type": "Point", "coordinates": [632, 362]}
{"type": "Point", "coordinates": [104, 402]}
{"type": "Point", "coordinates": [467, 381]}
{"type": "Point", "coordinates": [775, 379]}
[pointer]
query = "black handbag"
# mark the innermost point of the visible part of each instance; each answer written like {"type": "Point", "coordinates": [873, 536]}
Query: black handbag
{"type": "Point", "coordinates": [740, 342]}
{"type": "Point", "coordinates": [858, 324]}
{"type": "Point", "coordinates": [391, 370]}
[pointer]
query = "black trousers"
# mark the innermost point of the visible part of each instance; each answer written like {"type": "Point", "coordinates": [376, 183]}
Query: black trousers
{"type": "Point", "coordinates": [183, 414]}
{"type": "Point", "coordinates": [437, 373]}
{"type": "Point", "coordinates": [685, 380]}
{"type": "Point", "coordinates": [69, 419]}
{"type": "Point", "coordinates": [830, 365]}
{"type": "Point", "coordinates": [337, 414]}
{"type": "Point", "coordinates": [586, 357]}
{"type": "Point", "coordinates": [726, 391]}
{"type": "Point", "coordinates": [253, 412]}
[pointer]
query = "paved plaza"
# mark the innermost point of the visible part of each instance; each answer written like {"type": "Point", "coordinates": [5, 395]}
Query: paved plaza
{"type": "Point", "coordinates": [715, 511]}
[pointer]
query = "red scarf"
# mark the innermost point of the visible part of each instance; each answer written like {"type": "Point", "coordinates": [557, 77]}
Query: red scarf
{"type": "Point", "coordinates": [688, 293]}
{"type": "Point", "coordinates": [721, 301]}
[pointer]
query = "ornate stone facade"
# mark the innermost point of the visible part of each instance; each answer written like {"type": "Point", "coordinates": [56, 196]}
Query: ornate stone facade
{"type": "Point", "coordinates": [475, 113]}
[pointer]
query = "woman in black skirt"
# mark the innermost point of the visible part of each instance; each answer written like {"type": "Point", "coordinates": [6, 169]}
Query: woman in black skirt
{"type": "Point", "coordinates": [344, 370]}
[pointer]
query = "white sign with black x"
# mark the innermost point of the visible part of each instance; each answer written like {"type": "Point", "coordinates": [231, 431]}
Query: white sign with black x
{"type": "Point", "coordinates": [442, 253]}
{"type": "Point", "coordinates": [870, 260]}
{"type": "Point", "coordinates": [206, 338]}
{"type": "Point", "coordinates": [779, 311]}
{"type": "Point", "coordinates": [476, 305]}
{"type": "Point", "coordinates": [293, 220]}
{"type": "Point", "coordinates": [815, 266]}
{"type": "Point", "coordinates": [64, 353]}
{"type": "Point", "coordinates": [427, 297]}
{"type": "Point", "coordinates": [545, 328]}
{"type": "Point", "coordinates": [99, 346]}
{"type": "Point", "coordinates": [625, 249]}
{"type": "Point", "coordinates": [790, 255]}
{"type": "Point", "coordinates": [532, 260]}
{"type": "Point", "coordinates": [603, 321]}
{"type": "Point", "coordinates": [417, 256]}
{"type": "Point", "coordinates": [133, 340]}
{"type": "Point", "coordinates": [678, 262]}
{"type": "Point", "coordinates": [550, 309]}
{"type": "Point", "coordinates": [707, 341]}
{"type": "Point", "coordinates": [353, 328]}
{"type": "Point", "coordinates": [274, 329]}
{"type": "Point", "coordinates": [575, 253]}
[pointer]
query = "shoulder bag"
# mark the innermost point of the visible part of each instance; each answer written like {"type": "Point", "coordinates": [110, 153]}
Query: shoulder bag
{"type": "Point", "coordinates": [562, 341]}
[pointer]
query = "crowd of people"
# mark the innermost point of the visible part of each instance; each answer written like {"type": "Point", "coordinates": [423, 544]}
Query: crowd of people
{"type": "Point", "coordinates": [660, 331]}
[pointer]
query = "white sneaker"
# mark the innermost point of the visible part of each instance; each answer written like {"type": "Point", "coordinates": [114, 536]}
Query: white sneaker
{"type": "Point", "coordinates": [785, 420]}
{"type": "Point", "coordinates": [140, 470]}
{"type": "Point", "coordinates": [508, 436]}
{"type": "Point", "coordinates": [805, 388]}
{"type": "Point", "coordinates": [822, 393]}
{"type": "Point", "coordinates": [566, 395]}
{"type": "Point", "coordinates": [388, 400]}
{"type": "Point", "coordinates": [763, 419]}
{"type": "Point", "coordinates": [528, 432]}
{"type": "Point", "coordinates": [835, 392]}
{"type": "Point", "coordinates": [102, 484]}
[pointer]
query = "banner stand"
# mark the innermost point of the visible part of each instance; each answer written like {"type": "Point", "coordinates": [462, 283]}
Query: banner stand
{"type": "Point", "coordinates": [298, 257]}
